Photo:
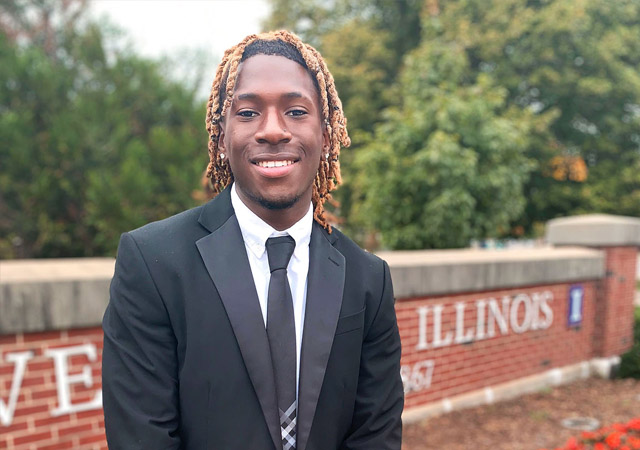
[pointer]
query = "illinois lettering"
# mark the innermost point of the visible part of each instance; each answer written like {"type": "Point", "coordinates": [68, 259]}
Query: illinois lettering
{"type": "Point", "coordinates": [519, 313]}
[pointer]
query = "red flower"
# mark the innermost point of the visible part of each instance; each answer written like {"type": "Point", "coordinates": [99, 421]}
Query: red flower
{"type": "Point", "coordinates": [613, 440]}
{"type": "Point", "coordinates": [634, 424]}
{"type": "Point", "coordinates": [621, 427]}
{"type": "Point", "coordinates": [589, 435]}
{"type": "Point", "coordinates": [618, 436]}
{"type": "Point", "coordinates": [634, 442]}
{"type": "Point", "coordinates": [572, 444]}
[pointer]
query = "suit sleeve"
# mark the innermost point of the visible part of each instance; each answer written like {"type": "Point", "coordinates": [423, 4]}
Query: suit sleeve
{"type": "Point", "coordinates": [139, 366]}
{"type": "Point", "coordinates": [377, 423]}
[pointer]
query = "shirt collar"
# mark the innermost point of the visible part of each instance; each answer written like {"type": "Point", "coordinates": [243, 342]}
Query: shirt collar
{"type": "Point", "coordinates": [256, 231]}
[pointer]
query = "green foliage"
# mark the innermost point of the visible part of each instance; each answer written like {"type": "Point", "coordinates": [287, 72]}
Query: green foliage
{"type": "Point", "coordinates": [94, 141]}
{"type": "Point", "coordinates": [449, 164]}
{"type": "Point", "coordinates": [630, 361]}
{"type": "Point", "coordinates": [469, 119]}
{"type": "Point", "coordinates": [578, 61]}
{"type": "Point", "coordinates": [564, 71]}
{"type": "Point", "coordinates": [363, 42]}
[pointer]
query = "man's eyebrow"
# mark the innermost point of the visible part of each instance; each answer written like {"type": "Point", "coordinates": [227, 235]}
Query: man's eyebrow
{"type": "Point", "coordinates": [253, 96]}
{"type": "Point", "coordinates": [249, 96]}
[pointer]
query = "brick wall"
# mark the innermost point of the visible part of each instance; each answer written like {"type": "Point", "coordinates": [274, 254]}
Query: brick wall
{"type": "Point", "coordinates": [34, 424]}
{"type": "Point", "coordinates": [458, 368]}
{"type": "Point", "coordinates": [616, 310]}
{"type": "Point", "coordinates": [447, 303]}
{"type": "Point", "coordinates": [431, 374]}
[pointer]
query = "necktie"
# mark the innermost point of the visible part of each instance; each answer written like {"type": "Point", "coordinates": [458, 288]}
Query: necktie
{"type": "Point", "coordinates": [282, 335]}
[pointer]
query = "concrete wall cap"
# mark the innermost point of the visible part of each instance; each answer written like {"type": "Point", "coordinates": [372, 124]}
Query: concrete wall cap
{"type": "Point", "coordinates": [405, 258]}
{"type": "Point", "coordinates": [38, 270]}
{"type": "Point", "coordinates": [594, 230]}
{"type": "Point", "coordinates": [39, 295]}
{"type": "Point", "coordinates": [53, 294]}
{"type": "Point", "coordinates": [423, 273]}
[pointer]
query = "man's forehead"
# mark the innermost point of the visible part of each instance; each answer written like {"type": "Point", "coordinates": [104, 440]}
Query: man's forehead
{"type": "Point", "coordinates": [273, 73]}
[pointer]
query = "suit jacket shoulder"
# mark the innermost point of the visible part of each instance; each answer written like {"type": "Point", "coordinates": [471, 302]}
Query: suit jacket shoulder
{"type": "Point", "coordinates": [361, 264]}
{"type": "Point", "coordinates": [170, 232]}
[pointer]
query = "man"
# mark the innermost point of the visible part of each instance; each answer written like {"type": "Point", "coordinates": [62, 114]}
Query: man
{"type": "Point", "coordinates": [248, 323]}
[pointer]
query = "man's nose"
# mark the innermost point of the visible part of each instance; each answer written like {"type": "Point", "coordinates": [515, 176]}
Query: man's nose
{"type": "Point", "coordinates": [273, 129]}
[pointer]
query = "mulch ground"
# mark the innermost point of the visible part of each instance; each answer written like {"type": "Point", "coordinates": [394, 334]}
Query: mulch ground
{"type": "Point", "coordinates": [529, 422]}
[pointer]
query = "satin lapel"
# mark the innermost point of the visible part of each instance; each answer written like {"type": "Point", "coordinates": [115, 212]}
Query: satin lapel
{"type": "Point", "coordinates": [225, 258]}
{"type": "Point", "coordinates": [324, 300]}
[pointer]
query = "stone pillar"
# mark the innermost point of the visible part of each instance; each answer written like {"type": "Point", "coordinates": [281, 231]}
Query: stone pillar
{"type": "Point", "coordinates": [619, 238]}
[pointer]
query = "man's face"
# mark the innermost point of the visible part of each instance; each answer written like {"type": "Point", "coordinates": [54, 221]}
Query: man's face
{"type": "Point", "coordinates": [273, 134]}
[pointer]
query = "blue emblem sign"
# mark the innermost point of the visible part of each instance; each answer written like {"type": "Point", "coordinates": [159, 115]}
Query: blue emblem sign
{"type": "Point", "coordinates": [576, 296]}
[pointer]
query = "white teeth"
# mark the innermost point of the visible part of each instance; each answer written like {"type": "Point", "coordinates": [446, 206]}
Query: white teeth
{"type": "Point", "coordinates": [274, 163]}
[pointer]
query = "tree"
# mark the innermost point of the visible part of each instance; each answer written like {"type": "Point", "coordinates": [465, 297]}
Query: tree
{"type": "Point", "coordinates": [569, 67]}
{"type": "Point", "coordinates": [94, 140]}
{"type": "Point", "coordinates": [448, 165]}
{"type": "Point", "coordinates": [574, 60]}
{"type": "Point", "coordinates": [363, 42]}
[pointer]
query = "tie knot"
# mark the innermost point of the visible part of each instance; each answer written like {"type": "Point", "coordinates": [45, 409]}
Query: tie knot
{"type": "Point", "coordinates": [279, 251]}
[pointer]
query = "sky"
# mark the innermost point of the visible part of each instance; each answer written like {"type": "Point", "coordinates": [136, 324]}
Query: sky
{"type": "Point", "coordinates": [174, 27]}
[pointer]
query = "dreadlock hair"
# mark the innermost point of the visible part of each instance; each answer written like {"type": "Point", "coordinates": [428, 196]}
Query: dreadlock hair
{"type": "Point", "coordinates": [280, 43]}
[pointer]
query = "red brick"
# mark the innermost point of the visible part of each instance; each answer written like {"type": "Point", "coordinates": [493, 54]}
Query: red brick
{"type": "Point", "coordinates": [42, 337]}
{"type": "Point", "coordinates": [74, 429]}
{"type": "Point", "coordinates": [60, 445]}
{"type": "Point", "coordinates": [16, 425]}
{"type": "Point", "coordinates": [90, 439]}
{"type": "Point", "coordinates": [29, 410]}
{"type": "Point", "coordinates": [89, 414]}
{"type": "Point", "coordinates": [31, 438]}
{"type": "Point", "coordinates": [92, 333]}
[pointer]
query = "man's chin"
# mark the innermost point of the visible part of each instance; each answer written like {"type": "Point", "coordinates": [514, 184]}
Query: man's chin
{"type": "Point", "coordinates": [277, 204]}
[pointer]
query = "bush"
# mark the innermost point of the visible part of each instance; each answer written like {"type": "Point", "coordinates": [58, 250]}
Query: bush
{"type": "Point", "coordinates": [630, 361]}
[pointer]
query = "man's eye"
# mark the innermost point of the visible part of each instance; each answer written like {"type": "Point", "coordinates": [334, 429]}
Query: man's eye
{"type": "Point", "coordinates": [296, 112]}
{"type": "Point", "coordinates": [247, 113]}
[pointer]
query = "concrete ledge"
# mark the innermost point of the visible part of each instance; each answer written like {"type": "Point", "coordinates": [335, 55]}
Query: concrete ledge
{"type": "Point", "coordinates": [504, 391]}
{"type": "Point", "coordinates": [41, 295]}
{"type": "Point", "coordinates": [68, 269]}
{"type": "Point", "coordinates": [594, 230]}
{"type": "Point", "coordinates": [428, 272]}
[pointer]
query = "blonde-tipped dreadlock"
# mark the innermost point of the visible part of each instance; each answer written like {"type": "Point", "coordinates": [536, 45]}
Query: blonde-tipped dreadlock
{"type": "Point", "coordinates": [328, 176]}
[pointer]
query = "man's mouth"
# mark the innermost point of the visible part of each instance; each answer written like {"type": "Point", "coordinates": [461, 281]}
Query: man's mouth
{"type": "Point", "coordinates": [270, 164]}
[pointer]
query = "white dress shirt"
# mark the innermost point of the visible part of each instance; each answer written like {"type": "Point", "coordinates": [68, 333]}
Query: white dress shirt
{"type": "Point", "coordinates": [255, 233]}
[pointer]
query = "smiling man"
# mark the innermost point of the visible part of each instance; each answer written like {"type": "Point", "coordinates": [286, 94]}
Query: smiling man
{"type": "Point", "coordinates": [249, 323]}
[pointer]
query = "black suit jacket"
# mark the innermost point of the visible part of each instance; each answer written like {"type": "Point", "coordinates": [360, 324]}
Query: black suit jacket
{"type": "Point", "coordinates": [186, 360]}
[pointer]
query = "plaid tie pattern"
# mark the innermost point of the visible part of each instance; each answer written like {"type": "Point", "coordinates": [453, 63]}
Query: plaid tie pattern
{"type": "Point", "coordinates": [282, 336]}
{"type": "Point", "coordinates": [288, 427]}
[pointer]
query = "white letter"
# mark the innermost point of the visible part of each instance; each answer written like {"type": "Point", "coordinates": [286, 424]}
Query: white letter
{"type": "Point", "coordinates": [547, 296]}
{"type": "Point", "coordinates": [423, 311]}
{"type": "Point", "coordinates": [480, 305]}
{"type": "Point", "coordinates": [497, 316]}
{"type": "Point", "coordinates": [461, 337]}
{"type": "Point", "coordinates": [535, 310]}
{"type": "Point", "coordinates": [437, 329]}
{"type": "Point", "coordinates": [20, 360]}
{"type": "Point", "coordinates": [64, 380]}
{"type": "Point", "coordinates": [526, 322]}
